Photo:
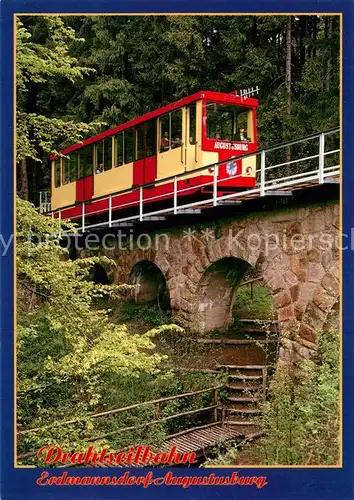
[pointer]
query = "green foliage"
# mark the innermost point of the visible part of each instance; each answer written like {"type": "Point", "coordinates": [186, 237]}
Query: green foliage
{"type": "Point", "coordinates": [222, 455]}
{"type": "Point", "coordinates": [301, 418]}
{"type": "Point", "coordinates": [74, 361]}
{"type": "Point", "coordinates": [66, 347]}
{"type": "Point", "coordinates": [260, 306]}
{"type": "Point", "coordinates": [37, 62]}
{"type": "Point", "coordinates": [150, 314]}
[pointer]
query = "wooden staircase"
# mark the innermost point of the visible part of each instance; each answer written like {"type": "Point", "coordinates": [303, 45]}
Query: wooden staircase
{"type": "Point", "coordinates": [246, 391]}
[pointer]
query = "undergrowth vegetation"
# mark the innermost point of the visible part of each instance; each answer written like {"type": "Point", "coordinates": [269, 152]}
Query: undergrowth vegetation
{"type": "Point", "coordinates": [76, 357]}
{"type": "Point", "coordinates": [258, 306]}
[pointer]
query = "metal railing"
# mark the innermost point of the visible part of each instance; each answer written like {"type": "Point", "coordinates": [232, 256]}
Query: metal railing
{"type": "Point", "coordinates": [313, 159]}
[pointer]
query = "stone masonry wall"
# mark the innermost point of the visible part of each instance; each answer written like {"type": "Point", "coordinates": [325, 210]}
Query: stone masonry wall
{"type": "Point", "coordinates": [296, 248]}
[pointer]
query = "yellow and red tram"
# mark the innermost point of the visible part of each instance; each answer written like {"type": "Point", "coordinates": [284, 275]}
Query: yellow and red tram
{"type": "Point", "coordinates": [203, 129]}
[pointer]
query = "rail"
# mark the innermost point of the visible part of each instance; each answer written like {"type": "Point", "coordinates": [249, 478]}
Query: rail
{"type": "Point", "coordinates": [156, 403]}
{"type": "Point", "coordinates": [316, 160]}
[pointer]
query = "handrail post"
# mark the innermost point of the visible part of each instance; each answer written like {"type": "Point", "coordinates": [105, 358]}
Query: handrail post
{"type": "Point", "coordinates": [141, 203]}
{"type": "Point", "coordinates": [59, 218]}
{"type": "Point", "coordinates": [321, 159]}
{"type": "Point", "coordinates": [264, 380]}
{"type": "Point", "coordinates": [83, 217]}
{"type": "Point", "coordinates": [215, 402]}
{"type": "Point", "coordinates": [157, 411]}
{"type": "Point", "coordinates": [263, 172]}
{"type": "Point", "coordinates": [175, 195]}
{"type": "Point", "coordinates": [110, 211]}
{"type": "Point", "coordinates": [215, 186]}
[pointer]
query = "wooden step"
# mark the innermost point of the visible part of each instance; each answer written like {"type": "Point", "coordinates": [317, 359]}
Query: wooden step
{"type": "Point", "coordinates": [248, 411]}
{"type": "Point", "coordinates": [244, 387]}
{"type": "Point", "coordinates": [243, 367]}
{"type": "Point", "coordinates": [240, 422]}
{"type": "Point", "coordinates": [257, 321]}
{"type": "Point", "coordinates": [243, 399]}
{"type": "Point", "coordinates": [242, 406]}
{"type": "Point", "coordinates": [246, 377]}
{"type": "Point", "coordinates": [235, 341]}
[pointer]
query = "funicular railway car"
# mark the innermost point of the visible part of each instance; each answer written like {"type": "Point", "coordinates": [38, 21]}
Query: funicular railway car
{"type": "Point", "coordinates": [170, 145]}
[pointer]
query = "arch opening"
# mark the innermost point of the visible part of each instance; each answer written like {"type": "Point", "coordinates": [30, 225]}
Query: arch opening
{"type": "Point", "coordinates": [216, 293]}
{"type": "Point", "coordinates": [152, 285]}
{"type": "Point", "coordinates": [99, 275]}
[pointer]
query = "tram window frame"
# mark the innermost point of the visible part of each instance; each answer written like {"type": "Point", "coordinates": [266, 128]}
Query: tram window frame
{"type": "Point", "coordinates": [192, 132]}
{"type": "Point", "coordinates": [80, 165]}
{"type": "Point", "coordinates": [139, 143]}
{"type": "Point", "coordinates": [99, 157]}
{"type": "Point", "coordinates": [119, 149]}
{"type": "Point", "coordinates": [88, 167]}
{"type": "Point", "coordinates": [128, 148]}
{"type": "Point", "coordinates": [73, 166]}
{"type": "Point", "coordinates": [66, 170]}
{"type": "Point", "coordinates": [103, 155]}
{"type": "Point", "coordinates": [150, 138]}
{"type": "Point", "coordinates": [220, 124]}
{"type": "Point", "coordinates": [107, 154]}
{"type": "Point", "coordinates": [165, 123]}
{"type": "Point", "coordinates": [57, 173]}
{"type": "Point", "coordinates": [172, 143]}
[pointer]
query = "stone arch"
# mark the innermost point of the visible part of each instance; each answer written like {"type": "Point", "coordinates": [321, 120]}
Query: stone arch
{"type": "Point", "coordinates": [216, 293]}
{"type": "Point", "coordinates": [152, 285]}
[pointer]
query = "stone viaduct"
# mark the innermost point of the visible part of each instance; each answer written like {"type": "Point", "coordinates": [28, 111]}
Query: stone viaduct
{"type": "Point", "coordinates": [197, 270]}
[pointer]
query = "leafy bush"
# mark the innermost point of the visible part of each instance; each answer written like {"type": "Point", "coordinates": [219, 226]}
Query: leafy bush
{"type": "Point", "coordinates": [301, 418]}
{"type": "Point", "coordinates": [148, 313]}
{"type": "Point", "coordinates": [260, 306]}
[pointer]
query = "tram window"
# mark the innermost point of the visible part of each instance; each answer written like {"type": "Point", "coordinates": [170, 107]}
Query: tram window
{"type": "Point", "coordinates": [150, 138]}
{"type": "Point", "coordinates": [80, 164]}
{"type": "Point", "coordinates": [176, 129]}
{"type": "Point", "coordinates": [88, 161]}
{"type": "Point", "coordinates": [192, 123]}
{"type": "Point", "coordinates": [57, 173]}
{"type": "Point", "coordinates": [107, 156]}
{"type": "Point", "coordinates": [242, 126]}
{"type": "Point", "coordinates": [66, 170]}
{"type": "Point", "coordinates": [73, 167]}
{"type": "Point", "coordinates": [165, 133]}
{"type": "Point", "coordinates": [225, 122]}
{"type": "Point", "coordinates": [128, 145]}
{"type": "Point", "coordinates": [119, 149]}
{"type": "Point", "coordinates": [139, 142]}
{"type": "Point", "coordinates": [99, 157]}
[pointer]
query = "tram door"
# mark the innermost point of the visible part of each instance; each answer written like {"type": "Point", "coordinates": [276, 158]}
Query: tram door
{"type": "Point", "coordinates": [150, 160]}
{"type": "Point", "coordinates": [144, 167]}
{"type": "Point", "coordinates": [84, 183]}
{"type": "Point", "coordinates": [191, 139]}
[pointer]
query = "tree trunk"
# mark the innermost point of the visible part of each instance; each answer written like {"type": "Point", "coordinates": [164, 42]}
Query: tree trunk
{"type": "Point", "coordinates": [328, 36]}
{"type": "Point", "coordinates": [23, 192]}
{"type": "Point", "coordinates": [288, 80]}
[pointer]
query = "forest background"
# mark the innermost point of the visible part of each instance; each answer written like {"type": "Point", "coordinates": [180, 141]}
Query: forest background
{"type": "Point", "coordinates": [84, 74]}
